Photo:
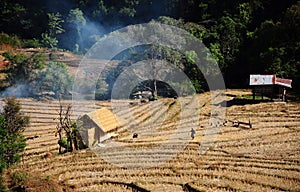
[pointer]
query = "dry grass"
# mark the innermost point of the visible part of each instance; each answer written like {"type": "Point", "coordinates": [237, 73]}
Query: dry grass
{"type": "Point", "coordinates": [263, 158]}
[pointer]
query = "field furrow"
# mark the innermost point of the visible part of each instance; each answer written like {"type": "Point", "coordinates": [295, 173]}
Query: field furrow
{"type": "Point", "coordinates": [265, 157]}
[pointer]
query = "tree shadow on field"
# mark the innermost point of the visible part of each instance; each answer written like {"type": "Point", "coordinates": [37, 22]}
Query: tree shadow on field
{"type": "Point", "coordinates": [294, 96]}
{"type": "Point", "coordinates": [242, 101]}
{"type": "Point", "coordinates": [247, 99]}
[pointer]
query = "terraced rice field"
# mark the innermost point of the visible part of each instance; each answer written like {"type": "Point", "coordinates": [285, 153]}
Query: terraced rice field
{"type": "Point", "coordinates": [265, 157]}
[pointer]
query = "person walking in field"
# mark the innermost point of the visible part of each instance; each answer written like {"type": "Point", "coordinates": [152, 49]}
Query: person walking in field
{"type": "Point", "coordinates": [193, 132]}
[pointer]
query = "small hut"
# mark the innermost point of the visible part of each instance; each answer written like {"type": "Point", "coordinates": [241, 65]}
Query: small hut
{"type": "Point", "coordinates": [265, 85]}
{"type": "Point", "coordinates": [98, 126]}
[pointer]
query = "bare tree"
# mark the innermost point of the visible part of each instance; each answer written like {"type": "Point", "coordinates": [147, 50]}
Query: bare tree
{"type": "Point", "coordinates": [66, 129]}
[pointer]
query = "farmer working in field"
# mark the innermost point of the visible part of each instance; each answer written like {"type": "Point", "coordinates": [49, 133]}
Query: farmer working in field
{"type": "Point", "coordinates": [193, 132]}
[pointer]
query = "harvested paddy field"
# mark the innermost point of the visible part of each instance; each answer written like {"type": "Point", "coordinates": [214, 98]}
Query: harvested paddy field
{"type": "Point", "coordinates": [265, 157]}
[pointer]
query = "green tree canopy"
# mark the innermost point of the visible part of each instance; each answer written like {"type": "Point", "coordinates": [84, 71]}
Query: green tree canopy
{"type": "Point", "coordinates": [54, 79]}
{"type": "Point", "coordinates": [76, 18]}
{"type": "Point", "coordinates": [12, 125]}
{"type": "Point", "coordinates": [23, 69]}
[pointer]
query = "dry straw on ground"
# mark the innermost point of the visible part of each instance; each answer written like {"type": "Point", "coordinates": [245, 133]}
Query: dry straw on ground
{"type": "Point", "coordinates": [263, 158]}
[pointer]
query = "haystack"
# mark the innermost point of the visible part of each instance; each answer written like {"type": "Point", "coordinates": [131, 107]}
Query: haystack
{"type": "Point", "coordinates": [98, 126]}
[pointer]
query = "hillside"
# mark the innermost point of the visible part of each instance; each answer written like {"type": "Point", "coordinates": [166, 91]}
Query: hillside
{"type": "Point", "coordinates": [265, 157]}
{"type": "Point", "coordinates": [256, 37]}
{"type": "Point", "coordinates": [256, 147]}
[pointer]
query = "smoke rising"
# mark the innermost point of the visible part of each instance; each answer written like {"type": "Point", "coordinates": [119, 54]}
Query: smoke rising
{"type": "Point", "coordinates": [103, 17]}
{"type": "Point", "coordinates": [18, 90]}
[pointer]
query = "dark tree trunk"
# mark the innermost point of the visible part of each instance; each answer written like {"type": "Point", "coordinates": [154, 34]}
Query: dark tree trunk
{"type": "Point", "coordinates": [154, 90]}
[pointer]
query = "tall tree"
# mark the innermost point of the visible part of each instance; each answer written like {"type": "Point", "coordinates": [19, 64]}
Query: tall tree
{"type": "Point", "coordinates": [76, 18]}
{"type": "Point", "coordinates": [55, 78]}
{"type": "Point", "coordinates": [12, 125]}
{"type": "Point", "coordinates": [275, 47]}
{"type": "Point", "coordinates": [49, 38]}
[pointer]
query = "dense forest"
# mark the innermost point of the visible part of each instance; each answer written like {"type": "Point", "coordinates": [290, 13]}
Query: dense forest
{"type": "Point", "coordinates": [254, 36]}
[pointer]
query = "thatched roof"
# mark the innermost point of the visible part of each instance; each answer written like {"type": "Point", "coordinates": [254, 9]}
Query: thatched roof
{"type": "Point", "coordinates": [104, 119]}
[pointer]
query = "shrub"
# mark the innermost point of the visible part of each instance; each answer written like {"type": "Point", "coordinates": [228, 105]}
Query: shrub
{"type": "Point", "coordinates": [31, 43]}
{"type": "Point", "coordinates": [11, 40]}
{"type": "Point", "coordinates": [19, 178]}
{"type": "Point", "coordinates": [101, 91]}
{"type": "Point", "coordinates": [48, 41]}
{"type": "Point", "coordinates": [23, 68]}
